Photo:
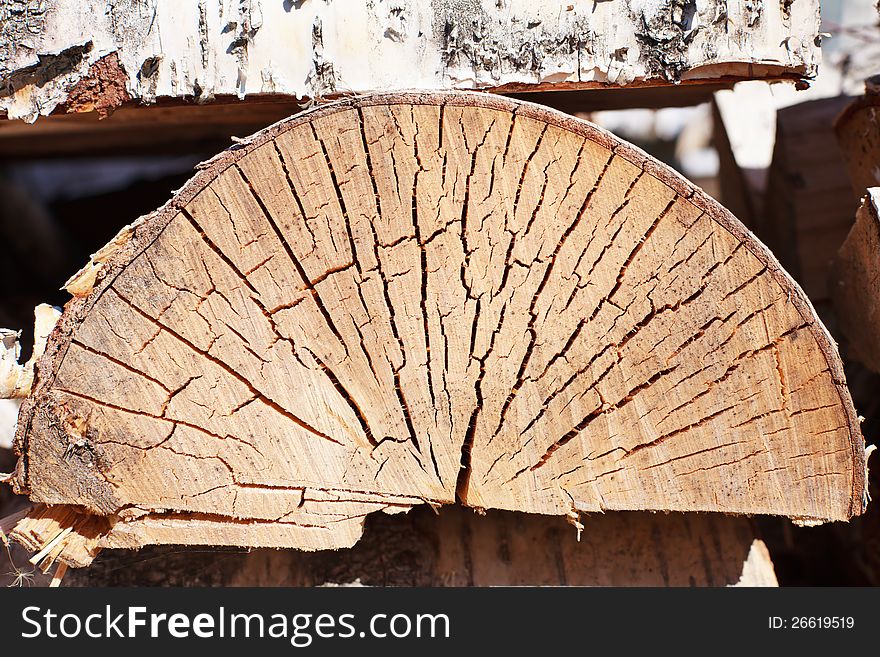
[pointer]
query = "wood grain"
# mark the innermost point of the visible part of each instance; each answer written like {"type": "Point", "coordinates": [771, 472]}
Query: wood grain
{"type": "Point", "coordinates": [859, 138]}
{"type": "Point", "coordinates": [422, 298]}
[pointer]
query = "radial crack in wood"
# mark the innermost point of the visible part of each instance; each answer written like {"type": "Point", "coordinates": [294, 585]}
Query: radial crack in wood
{"type": "Point", "coordinates": [412, 298]}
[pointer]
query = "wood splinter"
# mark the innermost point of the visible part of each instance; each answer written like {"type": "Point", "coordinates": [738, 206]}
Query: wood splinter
{"type": "Point", "coordinates": [426, 298]}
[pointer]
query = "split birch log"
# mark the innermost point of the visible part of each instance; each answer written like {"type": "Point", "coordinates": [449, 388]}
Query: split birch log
{"type": "Point", "coordinates": [95, 55]}
{"type": "Point", "coordinates": [857, 274]}
{"type": "Point", "coordinates": [422, 298]}
{"type": "Point", "coordinates": [457, 547]}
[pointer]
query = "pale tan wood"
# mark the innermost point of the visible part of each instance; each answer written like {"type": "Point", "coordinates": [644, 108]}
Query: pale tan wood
{"type": "Point", "coordinates": [411, 299]}
{"type": "Point", "coordinates": [857, 278]}
{"type": "Point", "coordinates": [16, 379]}
{"type": "Point", "coordinates": [61, 529]}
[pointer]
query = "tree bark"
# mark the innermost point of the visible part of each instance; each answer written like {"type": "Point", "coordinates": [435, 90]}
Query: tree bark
{"type": "Point", "coordinates": [94, 55]}
{"type": "Point", "coordinates": [421, 298]}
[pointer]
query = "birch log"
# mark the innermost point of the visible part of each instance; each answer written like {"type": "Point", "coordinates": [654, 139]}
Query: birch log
{"type": "Point", "coordinates": [421, 298]}
{"type": "Point", "coordinates": [89, 55]}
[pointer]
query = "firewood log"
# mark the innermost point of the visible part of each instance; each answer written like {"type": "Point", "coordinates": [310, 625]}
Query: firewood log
{"type": "Point", "coordinates": [428, 298]}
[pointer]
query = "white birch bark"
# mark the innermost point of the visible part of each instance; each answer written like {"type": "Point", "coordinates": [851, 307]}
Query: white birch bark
{"type": "Point", "coordinates": [316, 48]}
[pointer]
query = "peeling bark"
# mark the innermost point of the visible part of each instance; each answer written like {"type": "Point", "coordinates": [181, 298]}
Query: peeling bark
{"type": "Point", "coordinates": [201, 50]}
{"type": "Point", "coordinates": [16, 380]}
{"type": "Point", "coordinates": [102, 90]}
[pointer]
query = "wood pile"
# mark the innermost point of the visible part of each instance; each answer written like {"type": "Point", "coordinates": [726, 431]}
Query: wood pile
{"type": "Point", "coordinates": [407, 335]}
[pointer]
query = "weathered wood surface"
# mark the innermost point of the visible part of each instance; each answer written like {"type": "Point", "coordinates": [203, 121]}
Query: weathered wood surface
{"type": "Point", "coordinates": [409, 299]}
{"type": "Point", "coordinates": [94, 55]}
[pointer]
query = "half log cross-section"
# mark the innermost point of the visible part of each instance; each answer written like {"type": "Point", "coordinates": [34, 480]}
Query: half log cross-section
{"type": "Point", "coordinates": [422, 298]}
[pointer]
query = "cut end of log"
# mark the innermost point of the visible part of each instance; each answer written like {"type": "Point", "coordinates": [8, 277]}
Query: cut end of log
{"type": "Point", "coordinates": [419, 298]}
{"type": "Point", "coordinates": [520, 45]}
